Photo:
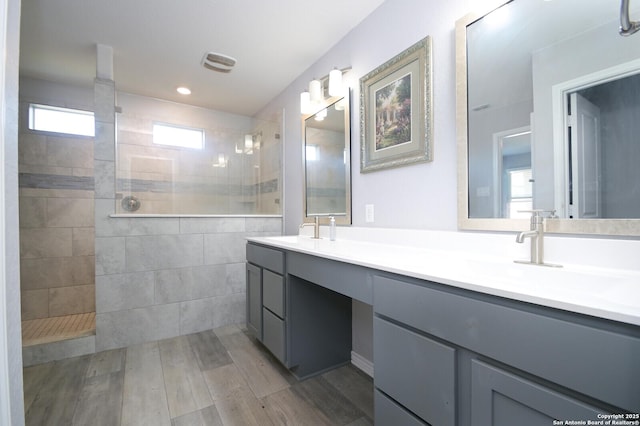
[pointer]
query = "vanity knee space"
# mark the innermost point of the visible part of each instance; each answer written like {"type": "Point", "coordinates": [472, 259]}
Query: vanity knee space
{"type": "Point", "coordinates": [294, 313]}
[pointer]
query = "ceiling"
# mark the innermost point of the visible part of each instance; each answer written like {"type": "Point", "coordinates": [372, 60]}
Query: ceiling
{"type": "Point", "coordinates": [159, 45]}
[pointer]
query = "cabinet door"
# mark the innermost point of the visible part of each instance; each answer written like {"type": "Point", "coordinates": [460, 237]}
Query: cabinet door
{"type": "Point", "coordinates": [501, 398]}
{"type": "Point", "coordinates": [273, 292]}
{"type": "Point", "coordinates": [416, 371]}
{"type": "Point", "coordinates": [273, 333]}
{"type": "Point", "coordinates": [254, 300]}
{"type": "Point", "coordinates": [388, 412]}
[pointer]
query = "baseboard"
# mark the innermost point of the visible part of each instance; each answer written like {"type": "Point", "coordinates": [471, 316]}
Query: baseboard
{"type": "Point", "coordinates": [362, 363]}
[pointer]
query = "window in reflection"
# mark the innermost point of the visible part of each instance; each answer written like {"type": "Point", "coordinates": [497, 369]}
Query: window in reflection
{"type": "Point", "coordinates": [519, 194]}
{"type": "Point", "coordinates": [312, 152]}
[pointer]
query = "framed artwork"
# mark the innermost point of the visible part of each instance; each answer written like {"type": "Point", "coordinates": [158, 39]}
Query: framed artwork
{"type": "Point", "coordinates": [395, 111]}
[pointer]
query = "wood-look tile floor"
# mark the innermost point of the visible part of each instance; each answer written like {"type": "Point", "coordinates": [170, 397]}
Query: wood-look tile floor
{"type": "Point", "coordinates": [47, 330]}
{"type": "Point", "coordinates": [217, 377]}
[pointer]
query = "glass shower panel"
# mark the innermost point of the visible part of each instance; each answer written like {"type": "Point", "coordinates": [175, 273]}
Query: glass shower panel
{"type": "Point", "coordinates": [237, 171]}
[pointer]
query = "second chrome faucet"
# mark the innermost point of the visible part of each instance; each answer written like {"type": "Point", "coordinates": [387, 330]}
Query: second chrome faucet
{"type": "Point", "coordinates": [536, 234]}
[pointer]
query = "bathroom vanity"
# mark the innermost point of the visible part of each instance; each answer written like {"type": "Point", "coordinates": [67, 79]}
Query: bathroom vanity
{"type": "Point", "coordinates": [299, 307]}
{"type": "Point", "coordinates": [457, 341]}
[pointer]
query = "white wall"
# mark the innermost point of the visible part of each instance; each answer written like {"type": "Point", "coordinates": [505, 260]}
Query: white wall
{"type": "Point", "coordinates": [417, 196]}
{"type": "Point", "coordinates": [58, 94]}
{"type": "Point", "coordinates": [422, 196]}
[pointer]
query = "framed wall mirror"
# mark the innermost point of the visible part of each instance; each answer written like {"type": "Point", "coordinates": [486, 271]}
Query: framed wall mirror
{"type": "Point", "coordinates": [548, 117]}
{"type": "Point", "coordinates": [327, 161]}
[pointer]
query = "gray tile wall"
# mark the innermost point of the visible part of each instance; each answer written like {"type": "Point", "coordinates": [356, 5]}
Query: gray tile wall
{"type": "Point", "coordinates": [56, 225]}
{"type": "Point", "coordinates": [174, 180]}
{"type": "Point", "coordinates": [164, 276]}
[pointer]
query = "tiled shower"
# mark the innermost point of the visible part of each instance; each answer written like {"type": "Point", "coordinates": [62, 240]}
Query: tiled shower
{"type": "Point", "coordinates": [169, 269]}
{"type": "Point", "coordinates": [236, 172]}
{"type": "Point", "coordinates": [56, 230]}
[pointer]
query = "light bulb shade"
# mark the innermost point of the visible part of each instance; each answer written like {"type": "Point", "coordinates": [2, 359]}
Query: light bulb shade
{"type": "Point", "coordinates": [248, 141]}
{"type": "Point", "coordinates": [315, 90]}
{"type": "Point", "coordinates": [335, 82]}
{"type": "Point", "coordinates": [321, 115]}
{"type": "Point", "coordinates": [305, 103]}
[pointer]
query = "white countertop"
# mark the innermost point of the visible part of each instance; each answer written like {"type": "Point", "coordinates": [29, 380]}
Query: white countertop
{"type": "Point", "coordinates": [611, 293]}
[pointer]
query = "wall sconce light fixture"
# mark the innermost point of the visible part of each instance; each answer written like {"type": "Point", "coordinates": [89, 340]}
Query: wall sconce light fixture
{"type": "Point", "coordinates": [335, 82]}
{"type": "Point", "coordinates": [222, 161]}
{"type": "Point", "coordinates": [321, 115]}
{"type": "Point", "coordinates": [251, 142]}
{"type": "Point", "coordinates": [332, 85]}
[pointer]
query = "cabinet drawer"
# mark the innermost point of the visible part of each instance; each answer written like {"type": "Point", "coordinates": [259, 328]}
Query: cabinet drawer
{"type": "Point", "coordinates": [415, 371]}
{"type": "Point", "coordinates": [499, 397]}
{"type": "Point", "coordinates": [273, 334]}
{"type": "Point", "coordinates": [388, 412]}
{"type": "Point", "coordinates": [350, 280]}
{"type": "Point", "coordinates": [273, 292]}
{"type": "Point", "coordinates": [266, 257]}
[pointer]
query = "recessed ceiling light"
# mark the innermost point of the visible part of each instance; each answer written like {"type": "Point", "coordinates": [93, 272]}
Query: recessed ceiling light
{"type": "Point", "coordinates": [184, 90]}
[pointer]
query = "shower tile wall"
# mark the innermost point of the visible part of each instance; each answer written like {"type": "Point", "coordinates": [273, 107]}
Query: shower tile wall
{"type": "Point", "coordinates": [159, 277]}
{"type": "Point", "coordinates": [226, 176]}
{"type": "Point", "coordinates": [56, 225]}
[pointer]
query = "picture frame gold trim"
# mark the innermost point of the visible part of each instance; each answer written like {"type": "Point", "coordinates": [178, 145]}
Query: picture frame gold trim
{"type": "Point", "coordinates": [385, 141]}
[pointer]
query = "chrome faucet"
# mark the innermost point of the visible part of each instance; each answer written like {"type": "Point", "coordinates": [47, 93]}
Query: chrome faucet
{"type": "Point", "coordinates": [536, 234]}
{"type": "Point", "coordinates": [316, 227]}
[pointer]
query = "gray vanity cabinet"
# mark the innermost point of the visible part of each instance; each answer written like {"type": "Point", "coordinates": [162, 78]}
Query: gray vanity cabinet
{"type": "Point", "coordinates": [443, 355]}
{"type": "Point", "coordinates": [299, 307]}
{"type": "Point", "coordinates": [273, 319]}
{"type": "Point", "coordinates": [266, 297]}
{"type": "Point", "coordinates": [500, 396]}
{"type": "Point", "coordinates": [448, 356]}
{"type": "Point", "coordinates": [416, 370]}
{"type": "Point", "coordinates": [254, 300]}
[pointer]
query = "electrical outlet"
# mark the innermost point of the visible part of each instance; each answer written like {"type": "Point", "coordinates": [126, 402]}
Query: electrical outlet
{"type": "Point", "coordinates": [368, 213]}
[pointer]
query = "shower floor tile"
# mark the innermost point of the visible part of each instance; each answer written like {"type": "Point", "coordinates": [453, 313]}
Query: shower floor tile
{"type": "Point", "coordinates": [47, 330]}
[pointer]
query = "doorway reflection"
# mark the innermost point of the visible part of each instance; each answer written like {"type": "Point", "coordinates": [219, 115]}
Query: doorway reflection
{"type": "Point", "coordinates": [604, 141]}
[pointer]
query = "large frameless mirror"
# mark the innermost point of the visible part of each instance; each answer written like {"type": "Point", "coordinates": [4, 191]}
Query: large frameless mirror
{"type": "Point", "coordinates": [327, 161]}
{"type": "Point", "coordinates": [548, 117]}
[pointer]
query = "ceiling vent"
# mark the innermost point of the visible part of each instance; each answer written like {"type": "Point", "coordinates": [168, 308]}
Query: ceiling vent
{"type": "Point", "coordinates": [218, 62]}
